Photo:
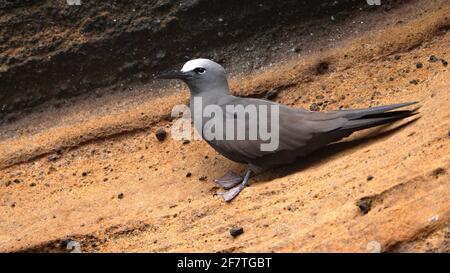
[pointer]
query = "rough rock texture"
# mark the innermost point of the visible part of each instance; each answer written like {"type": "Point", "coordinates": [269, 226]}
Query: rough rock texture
{"type": "Point", "coordinates": [88, 173]}
{"type": "Point", "coordinates": [50, 49]}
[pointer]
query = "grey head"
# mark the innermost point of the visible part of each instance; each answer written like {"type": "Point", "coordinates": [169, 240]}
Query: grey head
{"type": "Point", "coordinates": [203, 77]}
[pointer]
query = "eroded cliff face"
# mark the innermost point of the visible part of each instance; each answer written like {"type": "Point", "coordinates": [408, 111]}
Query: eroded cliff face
{"type": "Point", "coordinates": [89, 169]}
{"type": "Point", "coordinates": [50, 49]}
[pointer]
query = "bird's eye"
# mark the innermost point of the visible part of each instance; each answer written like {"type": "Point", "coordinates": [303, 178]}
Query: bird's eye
{"type": "Point", "coordinates": [200, 70]}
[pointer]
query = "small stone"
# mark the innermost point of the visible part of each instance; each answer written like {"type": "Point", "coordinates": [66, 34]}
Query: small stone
{"type": "Point", "coordinates": [32, 184]}
{"type": "Point", "coordinates": [438, 172]}
{"type": "Point", "coordinates": [272, 94]}
{"type": "Point", "coordinates": [17, 181]}
{"type": "Point", "coordinates": [250, 48]}
{"type": "Point", "coordinates": [444, 62]}
{"type": "Point", "coordinates": [415, 82]}
{"type": "Point", "coordinates": [64, 243]}
{"type": "Point", "coordinates": [364, 204]}
{"type": "Point", "coordinates": [419, 65]}
{"type": "Point", "coordinates": [161, 134]}
{"type": "Point", "coordinates": [189, 174]}
{"type": "Point", "coordinates": [236, 231]}
{"type": "Point", "coordinates": [323, 68]}
{"type": "Point", "coordinates": [186, 141]}
{"type": "Point", "coordinates": [369, 178]}
{"type": "Point", "coordinates": [120, 196]}
{"type": "Point", "coordinates": [160, 54]}
{"type": "Point", "coordinates": [397, 57]}
{"type": "Point", "coordinates": [296, 49]}
{"type": "Point", "coordinates": [203, 178]}
{"type": "Point", "coordinates": [433, 59]}
{"type": "Point", "coordinates": [314, 107]}
{"type": "Point", "coordinates": [53, 157]}
{"type": "Point", "coordinates": [319, 97]}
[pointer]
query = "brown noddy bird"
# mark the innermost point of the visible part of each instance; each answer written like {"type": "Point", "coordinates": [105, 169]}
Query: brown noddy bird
{"type": "Point", "coordinates": [300, 132]}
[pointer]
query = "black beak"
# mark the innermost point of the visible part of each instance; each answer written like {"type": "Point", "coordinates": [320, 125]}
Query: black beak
{"type": "Point", "coordinates": [175, 74]}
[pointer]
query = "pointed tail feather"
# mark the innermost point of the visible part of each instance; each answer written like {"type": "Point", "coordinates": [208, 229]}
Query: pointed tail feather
{"type": "Point", "coordinates": [359, 113]}
{"type": "Point", "coordinates": [372, 120]}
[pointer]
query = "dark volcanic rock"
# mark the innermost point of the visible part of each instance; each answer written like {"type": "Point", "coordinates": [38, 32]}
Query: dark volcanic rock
{"type": "Point", "coordinates": [364, 204]}
{"type": "Point", "coordinates": [161, 134]}
{"type": "Point", "coordinates": [236, 231]}
{"type": "Point", "coordinates": [314, 107]}
{"type": "Point", "coordinates": [272, 94]}
{"type": "Point", "coordinates": [323, 68]}
{"type": "Point", "coordinates": [433, 59]}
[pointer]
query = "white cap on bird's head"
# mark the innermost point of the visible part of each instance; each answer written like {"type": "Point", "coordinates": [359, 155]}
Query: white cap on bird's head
{"type": "Point", "coordinates": [202, 76]}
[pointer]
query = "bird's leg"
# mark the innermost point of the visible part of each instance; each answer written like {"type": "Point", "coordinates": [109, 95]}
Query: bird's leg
{"type": "Point", "coordinates": [231, 194]}
{"type": "Point", "coordinates": [229, 180]}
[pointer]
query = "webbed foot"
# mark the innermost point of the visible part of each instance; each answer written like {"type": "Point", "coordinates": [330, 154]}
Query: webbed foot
{"type": "Point", "coordinates": [232, 193]}
{"type": "Point", "coordinates": [229, 180]}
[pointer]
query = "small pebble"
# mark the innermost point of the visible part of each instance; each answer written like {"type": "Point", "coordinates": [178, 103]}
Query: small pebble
{"type": "Point", "coordinates": [271, 95]}
{"type": "Point", "coordinates": [120, 196]}
{"type": "Point", "coordinates": [444, 62]}
{"type": "Point", "coordinates": [203, 178]}
{"type": "Point", "coordinates": [296, 49]}
{"type": "Point", "coordinates": [53, 157]}
{"type": "Point", "coordinates": [236, 231]}
{"type": "Point", "coordinates": [161, 134]}
{"type": "Point", "coordinates": [415, 82]}
{"type": "Point", "coordinates": [365, 204]}
{"type": "Point", "coordinates": [369, 178]}
{"type": "Point", "coordinates": [433, 59]}
{"type": "Point", "coordinates": [314, 107]}
{"type": "Point", "coordinates": [160, 54]}
{"type": "Point", "coordinates": [419, 65]}
{"type": "Point", "coordinates": [189, 174]}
